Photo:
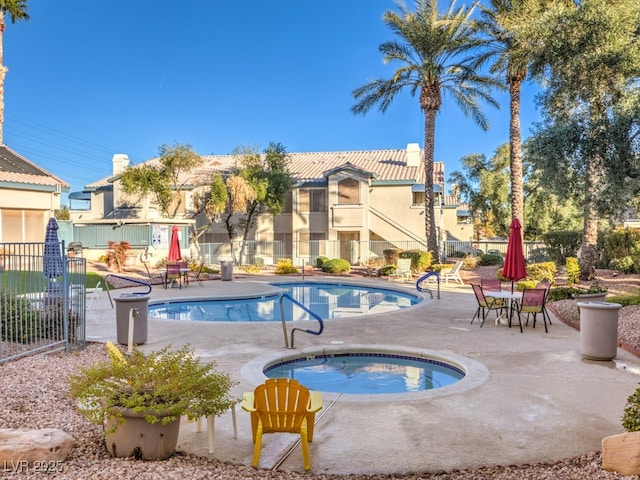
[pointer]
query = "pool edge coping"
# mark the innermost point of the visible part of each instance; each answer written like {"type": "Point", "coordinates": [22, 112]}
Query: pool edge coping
{"type": "Point", "coordinates": [476, 373]}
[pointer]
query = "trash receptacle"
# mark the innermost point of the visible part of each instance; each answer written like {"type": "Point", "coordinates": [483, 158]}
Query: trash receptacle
{"type": "Point", "coordinates": [124, 305]}
{"type": "Point", "coordinates": [599, 330]}
{"type": "Point", "coordinates": [226, 270]}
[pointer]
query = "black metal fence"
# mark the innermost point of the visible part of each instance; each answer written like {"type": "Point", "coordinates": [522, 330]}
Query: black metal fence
{"type": "Point", "coordinates": [37, 313]}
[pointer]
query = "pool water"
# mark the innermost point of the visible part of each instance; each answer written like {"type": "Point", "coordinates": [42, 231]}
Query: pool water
{"type": "Point", "coordinates": [366, 373]}
{"type": "Point", "coordinates": [327, 300]}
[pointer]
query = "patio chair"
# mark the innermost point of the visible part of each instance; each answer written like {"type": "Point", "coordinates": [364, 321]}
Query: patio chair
{"type": "Point", "coordinates": [491, 284]}
{"type": "Point", "coordinates": [153, 275]}
{"type": "Point", "coordinates": [533, 303]}
{"type": "Point", "coordinates": [453, 274]}
{"type": "Point", "coordinates": [195, 276]}
{"type": "Point", "coordinates": [282, 405]}
{"type": "Point", "coordinates": [547, 286]}
{"type": "Point", "coordinates": [486, 304]}
{"type": "Point", "coordinates": [173, 275]}
{"type": "Point", "coordinates": [403, 271]}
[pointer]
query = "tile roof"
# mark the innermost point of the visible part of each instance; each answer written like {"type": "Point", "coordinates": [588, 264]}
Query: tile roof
{"type": "Point", "coordinates": [14, 168]}
{"type": "Point", "coordinates": [388, 165]}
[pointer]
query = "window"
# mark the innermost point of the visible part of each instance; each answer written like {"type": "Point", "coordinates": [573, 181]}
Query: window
{"type": "Point", "coordinates": [348, 192]}
{"type": "Point", "coordinates": [418, 198]}
{"type": "Point", "coordinates": [312, 200]}
{"type": "Point", "coordinates": [288, 202]}
{"type": "Point", "coordinates": [282, 245]}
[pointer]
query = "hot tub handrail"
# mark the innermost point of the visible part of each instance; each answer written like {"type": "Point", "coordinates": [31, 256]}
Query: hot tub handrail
{"type": "Point", "coordinates": [132, 280]}
{"type": "Point", "coordinates": [306, 309]}
{"type": "Point", "coordinates": [423, 278]}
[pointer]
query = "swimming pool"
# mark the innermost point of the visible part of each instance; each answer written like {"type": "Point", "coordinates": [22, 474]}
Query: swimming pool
{"type": "Point", "coordinates": [327, 300]}
{"type": "Point", "coordinates": [363, 372]}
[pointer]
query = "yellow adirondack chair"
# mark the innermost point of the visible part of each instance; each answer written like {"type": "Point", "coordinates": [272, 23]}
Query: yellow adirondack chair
{"type": "Point", "coordinates": [282, 405]}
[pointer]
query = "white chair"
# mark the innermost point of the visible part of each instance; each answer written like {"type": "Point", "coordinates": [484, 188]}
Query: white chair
{"type": "Point", "coordinates": [453, 274]}
{"type": "Point", "coordinates": [403, 271]}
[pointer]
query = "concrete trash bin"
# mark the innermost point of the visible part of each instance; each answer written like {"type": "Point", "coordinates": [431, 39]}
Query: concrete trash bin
{"type": "Point", "coordinates": [226, 270]}
{"type": "Point", "coordinates": [124, 304]}
{"type": "Point", "coordinates": [599, 330]}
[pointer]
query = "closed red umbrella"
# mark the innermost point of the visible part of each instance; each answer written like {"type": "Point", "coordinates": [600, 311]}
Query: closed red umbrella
{"type": "Point", "coordinates": [515, 267]}
{"type": "Point", "coordinates": [174, 246]}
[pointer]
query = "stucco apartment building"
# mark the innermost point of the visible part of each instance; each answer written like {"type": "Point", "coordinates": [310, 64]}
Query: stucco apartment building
{"type": "Point", "coordinates": [341, 198]}
{"type": "Point", "coordinates": [29, 195]}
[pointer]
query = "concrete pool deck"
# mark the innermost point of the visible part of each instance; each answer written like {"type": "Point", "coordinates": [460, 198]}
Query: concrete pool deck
{"type": "Point", "coordinates": [540, 401]}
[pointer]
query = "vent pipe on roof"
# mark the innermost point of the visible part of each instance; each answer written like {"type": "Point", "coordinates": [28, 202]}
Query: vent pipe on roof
{"type": "Point", "coordinates": [120, 162]}
{"type": "Point", "coordinates": [413, 155]}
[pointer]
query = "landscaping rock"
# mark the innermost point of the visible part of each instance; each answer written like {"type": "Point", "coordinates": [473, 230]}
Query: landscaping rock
{"type": "Point", "coordinates": [621, 453]}
{"type": "Point", "coordinates": [43, 445]}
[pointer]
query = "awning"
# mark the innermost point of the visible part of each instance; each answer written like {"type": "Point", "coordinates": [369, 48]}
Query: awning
{"type": "Point", "coordinates": [80, 196]}
{"type": "Point", "coordinates": [463, 213]}
{"type": "Point", "coordinates": [419, 187]}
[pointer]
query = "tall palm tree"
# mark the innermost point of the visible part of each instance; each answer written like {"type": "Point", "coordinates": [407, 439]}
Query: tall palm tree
{"type": "Point", "coordinates": [435, 57]}
{"type": "Point", "coordinates": [511, 60]}
{"type": "Point", "coordinates": [511, 57]}
{"type": "Point", "coordinates": [17, 10]}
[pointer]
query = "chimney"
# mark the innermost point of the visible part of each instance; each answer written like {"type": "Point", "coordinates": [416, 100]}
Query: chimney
{"type": "Point", "coordinates": [120, 162]}
{"type": "Point", "coordinates": [413, 155]}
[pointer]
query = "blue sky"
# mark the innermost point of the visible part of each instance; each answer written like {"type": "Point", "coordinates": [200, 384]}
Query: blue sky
{"type": "Point", "coordinates": [90, 78]}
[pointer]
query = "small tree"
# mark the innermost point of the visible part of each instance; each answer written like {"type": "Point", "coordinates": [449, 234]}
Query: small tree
{"type": "Point", "coordinates": [164, 178]}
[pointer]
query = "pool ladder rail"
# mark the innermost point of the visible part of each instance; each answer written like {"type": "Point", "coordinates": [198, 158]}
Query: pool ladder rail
{"type": "Point", "coordinates": [132, 280]}
{"type": "Point", "coordinates": [420, 288]}
{"type": "Point", "coordinates": [284, 296]}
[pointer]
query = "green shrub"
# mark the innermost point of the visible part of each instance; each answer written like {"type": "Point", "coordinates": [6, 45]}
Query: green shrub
{"type": "Point", "coordinates": [631, 417]}
{"type": "Point", "coordinates": [522, 284]}
{"type": "Point", "coordinates": [562, 293]}
{"type": "Point", "coordinates": [490, 259]}
{"type": "Point", "coordinates": [624, 264]}
{"type": "Point", "coordinates": [438, 267]}
{"type": "Point", "coordinates": [622, 242]}
{"type": "Point", "coordinates": [469, 262]}
{"type": "Point", "coordinates": [320, 261]}
{"type": "Point", "coordinates": [562, 244]}
{"type": "Point", "coordinates": [336, 265]}
{"type": "Point", "coordinates": [388, 270]}
{"type": "Point", "coordinates": [573, 270]}
{"type": "Point", "coordinates": [625, 300]}
{"type": "Point", "coordinates": [284, 266]}
{"type": "Point", "coordinates": [538, 255]}
{"type": "Point", "coordinates": [420, 260]}
{"type": "Point", "coordinates": [20, 323]}
{"type": "Point", "coordinates": [545, 271]}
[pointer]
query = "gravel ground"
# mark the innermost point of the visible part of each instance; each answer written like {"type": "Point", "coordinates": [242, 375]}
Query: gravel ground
{"type": "Point", "coordinates": [33, 398]}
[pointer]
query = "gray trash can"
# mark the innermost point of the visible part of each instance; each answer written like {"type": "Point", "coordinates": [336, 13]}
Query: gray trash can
{"type": "Point", "coordinates": [124, 304]}
{"type": "Point", "coordinates": [599, 330]}
{"type": "Point", "coordinates": [226, 270]}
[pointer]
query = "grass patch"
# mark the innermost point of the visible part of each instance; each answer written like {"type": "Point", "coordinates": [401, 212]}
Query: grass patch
{"type": "Point", "coordinates": [625, 300]}
{"type": "Point", "coordinates": [29, 281]}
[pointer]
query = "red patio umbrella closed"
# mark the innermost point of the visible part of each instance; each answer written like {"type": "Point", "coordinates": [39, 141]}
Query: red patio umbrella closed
{"type": "Point", "coordinates": [174, 246]}
{"type": "Point", "coordinates": [515, 267]}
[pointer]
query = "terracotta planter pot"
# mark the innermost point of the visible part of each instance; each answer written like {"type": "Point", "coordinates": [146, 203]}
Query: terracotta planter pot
{"type": "Point", "coordinates": [140, 439]}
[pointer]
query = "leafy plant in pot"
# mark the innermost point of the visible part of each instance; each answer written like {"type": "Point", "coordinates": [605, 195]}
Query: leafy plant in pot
{"type": "Point", "coordinates": [140, 398]}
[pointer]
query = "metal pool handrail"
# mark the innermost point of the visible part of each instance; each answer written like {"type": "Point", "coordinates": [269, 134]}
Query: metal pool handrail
{"type": "Point", "coordinates": [132, 280]}
{"type": "Point", "coordinates": [423, 278]}
{"type": "Point", "coordinates": [303, 307]}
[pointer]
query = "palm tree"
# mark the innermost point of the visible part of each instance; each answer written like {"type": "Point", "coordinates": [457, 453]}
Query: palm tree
{"type": "Point", "coordinates": [511, 58]}
{"type": "Point", "coordinates": [435, 58]}
{"type": "Point", "coordinates": [17, 10]}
